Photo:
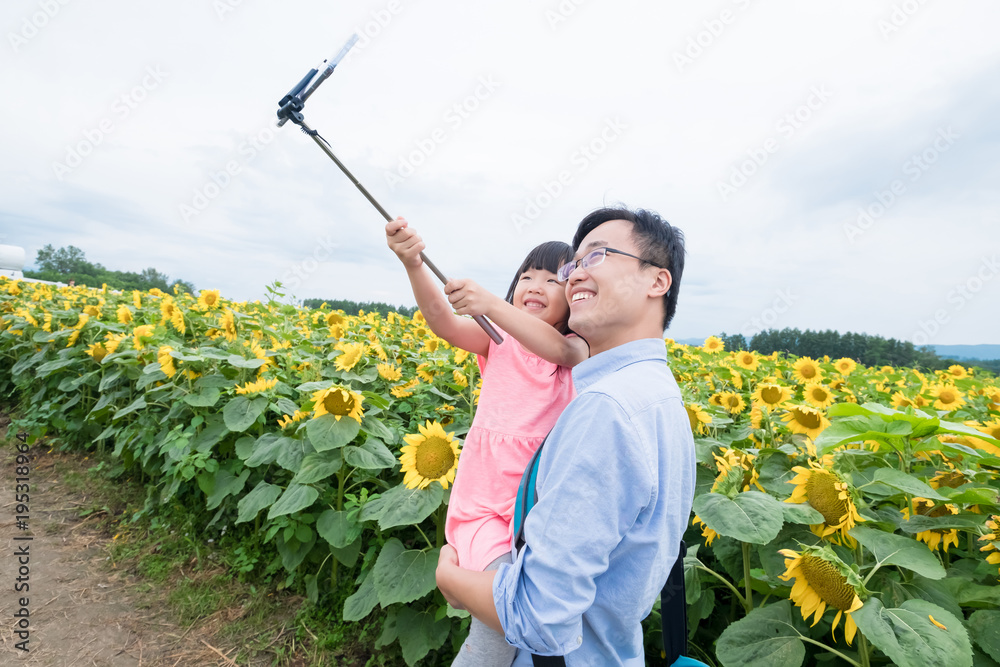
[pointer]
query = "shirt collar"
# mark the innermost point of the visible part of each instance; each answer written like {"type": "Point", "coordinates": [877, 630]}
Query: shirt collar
{"type": "Point", "coordinates": [589, 371]}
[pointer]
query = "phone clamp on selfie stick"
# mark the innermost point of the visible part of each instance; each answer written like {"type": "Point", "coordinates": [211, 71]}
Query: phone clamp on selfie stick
{"type": "Point", "coordinates": [290, 109]}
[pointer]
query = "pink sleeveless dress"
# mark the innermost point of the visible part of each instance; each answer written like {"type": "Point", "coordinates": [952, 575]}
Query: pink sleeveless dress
{"type": "Point", "coordinates": [521, 399]}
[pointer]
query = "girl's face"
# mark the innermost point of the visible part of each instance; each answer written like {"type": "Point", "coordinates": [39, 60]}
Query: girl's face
{"type": "Point", "coordinates": [539, 292]}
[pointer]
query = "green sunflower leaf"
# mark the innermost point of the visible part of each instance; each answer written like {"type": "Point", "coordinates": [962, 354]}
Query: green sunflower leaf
{"type": "Point", "coordinates": [801, 513]}
{"type": "Point", "coordinates": [909, 638]}
{"type": "Point", "coordinates": [206, 398]}
{"type": "Point", "coordinates": [751, 516]}
{"type": "Point", "coordinates": [319, 466]}
{"type": "Point", "coordinates": [338, 528]}
{"type": "Point", "coordinates": [362, 601]}
{"type": "Point", "coordinates": [400, 506]}
{"type": "Point", "coordinates": [766, 637]}
{"type": "Point", "coordinates": [327, 432]}
{"type": "Point", "coordinates": [263, 495]}
{"type": "Point", "coordinates": [403, 575]}
{"type": "Point", "coordinates": [372, 455]}
{"type": "Point", "coordinates": [899, 480]}
{"type": "Point", "coordinates": [241, 412]}
{"type": "Point", "coordinates": [984, 627]}
{"type": "Point", "coordinates": [906, 552]}
{"type": "Point", "coordinates": [296, 497]}
{"type": "Point", "coordinates": [420, 633]}
{"type": "Point", "coordinates": [226, 484]}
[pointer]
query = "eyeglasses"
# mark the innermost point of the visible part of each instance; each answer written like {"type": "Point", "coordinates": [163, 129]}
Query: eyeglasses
{"type": "Point", "coordinates": [593, 259]}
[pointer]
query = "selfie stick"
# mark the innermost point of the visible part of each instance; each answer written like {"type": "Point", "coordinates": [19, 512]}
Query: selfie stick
{"type": "Point", "coordinates": [290, 109]}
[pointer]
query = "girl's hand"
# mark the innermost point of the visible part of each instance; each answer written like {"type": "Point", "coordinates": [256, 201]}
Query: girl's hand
{"type": "Point", "coordinates": [447, 562]}
{"type": "Point", "coordinates": [405, 242]}
{"type": "Point", "coordinates": [468, 298]}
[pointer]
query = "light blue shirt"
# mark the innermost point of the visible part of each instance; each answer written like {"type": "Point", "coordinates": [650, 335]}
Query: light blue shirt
{"type": "Point", "coordinates": [615, 487]}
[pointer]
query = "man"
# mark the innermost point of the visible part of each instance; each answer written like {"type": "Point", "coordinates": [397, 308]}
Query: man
{"type": "Point", "coordinates": [616, 475]}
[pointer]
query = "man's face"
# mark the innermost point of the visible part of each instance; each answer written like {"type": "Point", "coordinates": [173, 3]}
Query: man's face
{"type": "Point", "coordinates": [608, 299]}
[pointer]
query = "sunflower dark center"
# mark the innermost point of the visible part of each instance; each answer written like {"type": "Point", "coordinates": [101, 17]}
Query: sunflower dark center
{"type": "Point", "coordinates": [434, 457]}
{"type": "Point", "coordinates": [828, 582]}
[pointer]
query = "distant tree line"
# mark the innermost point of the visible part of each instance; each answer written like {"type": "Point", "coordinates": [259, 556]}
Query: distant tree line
{"type": "Point", "coordinates": [352, 307]}
{"type": "Point", "coordinates": [70, 264]}
{"type": "Point", "coordinates": [866, 349]}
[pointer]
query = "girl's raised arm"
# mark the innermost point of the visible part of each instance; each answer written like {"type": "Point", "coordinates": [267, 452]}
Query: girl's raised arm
{"type": "Point", "coordinates": [539, 337]}
{"type": "Point", "coordinates": [458, 331]}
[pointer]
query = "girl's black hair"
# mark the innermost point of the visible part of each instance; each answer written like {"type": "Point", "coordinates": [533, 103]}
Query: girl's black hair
{"type": "Point", "coordinates": [548, 256]}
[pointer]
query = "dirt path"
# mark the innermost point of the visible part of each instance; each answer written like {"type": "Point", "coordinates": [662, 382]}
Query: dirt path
{"type": "Point", "coordinates": [83, 610]}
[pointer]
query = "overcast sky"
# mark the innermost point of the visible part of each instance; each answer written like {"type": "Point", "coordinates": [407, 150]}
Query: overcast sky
{"type": "Point", "coordinates": [832, 165]}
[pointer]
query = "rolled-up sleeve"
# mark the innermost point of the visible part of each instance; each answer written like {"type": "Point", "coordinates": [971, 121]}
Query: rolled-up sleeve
{"type": "Point", "coordinates": [595, 480]}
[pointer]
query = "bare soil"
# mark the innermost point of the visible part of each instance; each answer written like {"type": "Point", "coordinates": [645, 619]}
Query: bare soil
{"type": "Point", "coordinates": [84, 608]}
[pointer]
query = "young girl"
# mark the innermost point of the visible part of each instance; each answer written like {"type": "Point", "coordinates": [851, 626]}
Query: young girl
{"type": "Point", "coordinates": [527, 382]}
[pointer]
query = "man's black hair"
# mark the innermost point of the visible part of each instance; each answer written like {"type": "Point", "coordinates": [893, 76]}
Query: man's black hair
{"type": "Point", "coordinates": [548, 256]}
{"type": "Point", "coordinates": [657, 241]}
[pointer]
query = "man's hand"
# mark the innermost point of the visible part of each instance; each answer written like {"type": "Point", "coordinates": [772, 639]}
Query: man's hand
{"type": "Point", "coordinates": [468, 298]}
{"type": "Point", "coordinates": [447, 563]}
{"type": "Point", "coordinates": [405, 242]}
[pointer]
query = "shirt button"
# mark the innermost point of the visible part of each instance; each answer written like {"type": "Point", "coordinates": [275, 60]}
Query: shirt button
{"type": "Point", "coordinates": [579, 640]}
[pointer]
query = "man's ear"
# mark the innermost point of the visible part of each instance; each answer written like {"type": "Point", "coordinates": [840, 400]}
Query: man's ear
{"type": "Point", "coordinates": [661, 285]}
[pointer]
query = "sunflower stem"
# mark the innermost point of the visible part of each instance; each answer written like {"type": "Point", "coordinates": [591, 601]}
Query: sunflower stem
{"type": "Point", "coordinates": [728, 584]}
{"type": "Point", "coordinates": [832, 650]}
{"type": "Point", "coordinates": [430, 545]}
{"type": "Point", "coordinates": [746, 577]}
{"type": "Point", "coordinates": [863, 649]}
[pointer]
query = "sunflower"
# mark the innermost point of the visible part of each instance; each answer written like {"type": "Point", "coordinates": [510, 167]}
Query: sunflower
{"type": "Point", "coordinates": [460, 378]}
{"type": "Point", "coordinates": [807, 370]}
{"type": "Point", "coordinates": [333, 319]}
{"type": "Point", "coordinates": [991, 428]}
{"type": "Point", "coordinates": [936, 537]}
{"type": "Point", "coordinates": [177, 320]}
{"type": "Point", "coordinates": [735, 459]}
{"type": "Point", "coordinates": [993, 398]}
{"type": "Point", "coordinates": [167, 308]}
{"type": "Point", "coordinates": [845, 365]}
{"type": "Point", "coordinates": [404, 390]}
{"type": "Point", "coordinates": [747, 360]}
{"type": "Point", "coordinates": [430, 456]}
{"type": "Point", "coordinates": [425, 373]}
{"type": "Point", "coordinates": [339, 402]}
{"type": "Point", "coordinates": [732, 402]}
{"type": "Point", "coordinates": [143, 331]}
{"type": "Point", "coordinates": [389, 372]}
{"type": "Point", "coordinates": [112, 341]}
{"type": "Point", "coordinates": [431, 344]}
{"type": "Point", "coordinates": [257, 387]}
{"type": "Point", "coordinates": [957, 372]}
{"type": "Point", "coordinates": [166, 361]}
{"type": "Point", "coordinates": [208, 298]}
{"type": "Point", "coordinates": [93, 311]}
{"type": "Point", "coordinates": [460, 356]}
{"type": "Point", "coordinates": [822, 579]}
{"type": "Point", "coordinates": [706, 532]}
{"type": "Point", "coordinates": [352, 354]}
{"type": "Point", "coordinates": [771, 395]}
{"type": "Point", "coordinates": [228, 325]}
{"type": "Point", "coordinates": [991, 538]}
{"type": "Point", "coordinates": [379, 351]}
{"type": "Point", "coordinates": [698, 417]}
{"type": "Point", "coordinates": [124, 314]}
{"type": "Point", "coordinates": [98, 352]}
{"type": "Point", "coordinates": [713, 344]}
{"type": "Point", "coordinates": [818, 395]}
{"type": "Point", "coordinates": [829, 494]}
{"type": "Point", "coordinates": [806, 420]}
{"type": "Point", "coordinates": [948, 397]}
{"type": "Point", "coordinates": [900, 401]}
{"type": "Point", "coordinates": [292, 419]}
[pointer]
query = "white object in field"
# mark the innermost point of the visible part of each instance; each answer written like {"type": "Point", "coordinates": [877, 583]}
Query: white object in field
{"type": "Point", "coordinates": [11, 261]}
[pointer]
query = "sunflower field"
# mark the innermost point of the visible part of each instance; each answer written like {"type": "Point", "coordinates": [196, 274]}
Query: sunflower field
{"type": "Point", "coordinates": [843, 514]}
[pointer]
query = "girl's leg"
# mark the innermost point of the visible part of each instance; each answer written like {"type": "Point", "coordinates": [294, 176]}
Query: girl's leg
{"type": "Point", "coordinates": [484, 647]}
